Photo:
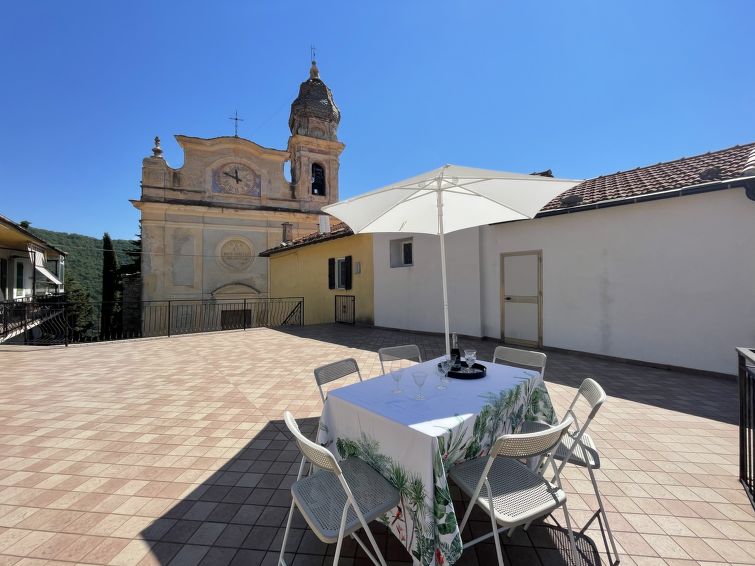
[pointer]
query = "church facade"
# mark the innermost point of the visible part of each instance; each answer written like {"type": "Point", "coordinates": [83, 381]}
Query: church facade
{"type": "Point", "coordinates": [204, 224]}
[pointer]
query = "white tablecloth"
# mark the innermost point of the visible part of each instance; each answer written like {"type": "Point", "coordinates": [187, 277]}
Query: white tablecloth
{"type": "Point", "coordinates": [413, 443]}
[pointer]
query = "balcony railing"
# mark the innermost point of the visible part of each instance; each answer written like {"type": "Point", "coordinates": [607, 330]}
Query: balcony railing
{"type": "Point", "coordinates": [54, 320]}
{"type": "Point", "coordinates": [747, 420]}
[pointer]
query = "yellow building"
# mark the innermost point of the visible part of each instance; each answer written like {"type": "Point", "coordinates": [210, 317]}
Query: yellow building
{"type": "Point", "coordinates": [331, 269]}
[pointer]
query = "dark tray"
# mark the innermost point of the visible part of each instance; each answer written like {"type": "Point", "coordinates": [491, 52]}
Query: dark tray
{"type": "Point", "coordinates": [479, 373]}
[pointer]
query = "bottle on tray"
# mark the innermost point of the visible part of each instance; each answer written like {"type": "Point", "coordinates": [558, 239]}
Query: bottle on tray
{"type": "Point", "coordinates": [455, 352]}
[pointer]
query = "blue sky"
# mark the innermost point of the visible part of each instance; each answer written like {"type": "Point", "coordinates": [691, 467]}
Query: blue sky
{"type": "Point", "coordinates": [581, 87]}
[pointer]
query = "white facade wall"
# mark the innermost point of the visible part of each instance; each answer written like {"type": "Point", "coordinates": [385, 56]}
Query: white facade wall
{"type": "Point", "coordinates": [669, 281]}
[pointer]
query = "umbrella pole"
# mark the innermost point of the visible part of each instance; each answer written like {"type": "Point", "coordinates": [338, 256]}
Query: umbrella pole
{"type": "Point", "coordinates": [443, 269]}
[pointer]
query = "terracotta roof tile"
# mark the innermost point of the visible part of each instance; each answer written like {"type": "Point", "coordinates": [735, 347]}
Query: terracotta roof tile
{"type": "Point", "coordinates": [337, 230]}
{"type": "Point", "coordinates": [687, 171]}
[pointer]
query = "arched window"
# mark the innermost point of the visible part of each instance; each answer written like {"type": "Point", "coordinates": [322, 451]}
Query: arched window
{"type": "Point", "coordinates": [318, 179]}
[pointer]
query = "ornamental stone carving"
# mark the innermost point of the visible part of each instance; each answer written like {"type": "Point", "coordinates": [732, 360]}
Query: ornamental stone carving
{"type": "Point", "coordinates": [236, 254]}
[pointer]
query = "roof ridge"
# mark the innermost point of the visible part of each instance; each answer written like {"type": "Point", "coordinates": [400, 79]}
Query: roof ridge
{"type": "Point", "coordinates": [685, 158]}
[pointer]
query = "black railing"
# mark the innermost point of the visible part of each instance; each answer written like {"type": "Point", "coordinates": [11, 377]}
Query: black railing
{"type": "Point", "coordinates": [747, 420]}
{"type": "Point", "coordinates": [57, 321]}
{"type": "Point", "coordinates": [345, 309]}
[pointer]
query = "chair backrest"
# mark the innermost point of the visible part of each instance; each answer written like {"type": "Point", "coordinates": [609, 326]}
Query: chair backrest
{"type": "Point", "coordinates": [591, 391]}
{"type": "Point", "coordinates": [336, 370]}
{"type": "Point", "coordinates": [530, 444]}
{"type": "Point", "coordinates": [318, 455]}
{"type": "Point", "coordinates": [405, 352]}
{"type": "Point", "coordinates": [535, 360]}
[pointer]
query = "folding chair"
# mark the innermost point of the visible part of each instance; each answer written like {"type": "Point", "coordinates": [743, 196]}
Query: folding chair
{"type": "Point", "coordinates": [578, 448]}
{"type": "Point", "coordinates": [339, 498]}
{"type": "Point", "coordinates": [513, 494]}
{"type": "Point", "coordinates": [336, 370]}
{"type": "Point", "coordinates": [527, 358]}
{"type": "Point", "coordinates": [405, 352]}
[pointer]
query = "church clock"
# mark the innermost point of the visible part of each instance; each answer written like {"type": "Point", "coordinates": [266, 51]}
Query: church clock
{"type": "Point", "coordinates": [237, 179]}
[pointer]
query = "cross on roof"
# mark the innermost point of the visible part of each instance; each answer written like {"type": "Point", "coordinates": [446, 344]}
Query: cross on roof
{"type": "Point", "coordinates": [236, 121]}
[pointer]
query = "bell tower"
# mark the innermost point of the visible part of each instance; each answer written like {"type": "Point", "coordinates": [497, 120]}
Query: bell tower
{"type": "Point", "coordinates": [314, 145]}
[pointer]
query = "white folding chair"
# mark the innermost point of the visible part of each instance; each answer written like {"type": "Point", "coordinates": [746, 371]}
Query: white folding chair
{"type": "Point", "coordinates": [393, 353]}
{"type": "Point", "coordinates": [336, 370]}
{"type": "Point", "coordinates": [339, 498]}
{"type": "Point", "coordinates": [514, 494]}
{"type": "Point", "coordinates": [527, 358]}
{"type": "Point", "coordinates": [578, 448]}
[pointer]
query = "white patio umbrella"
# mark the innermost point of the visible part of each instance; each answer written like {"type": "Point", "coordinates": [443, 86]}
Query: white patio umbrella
{"type": "Point", "coordinates": [445, 200]}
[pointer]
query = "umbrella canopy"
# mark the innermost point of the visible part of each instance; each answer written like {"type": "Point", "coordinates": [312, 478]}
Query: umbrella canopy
{"type": "Point", "coordinates": [448, 199]}
{"type": "Point", "coordinates": [469, 197]}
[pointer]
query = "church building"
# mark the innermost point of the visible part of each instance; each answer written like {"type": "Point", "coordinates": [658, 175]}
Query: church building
{"type": "Point", "coordinates": [204, 224]}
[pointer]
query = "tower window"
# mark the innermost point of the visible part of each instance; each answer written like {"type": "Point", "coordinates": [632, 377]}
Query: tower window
{"type": "Point", "coordinates": [318, 179]}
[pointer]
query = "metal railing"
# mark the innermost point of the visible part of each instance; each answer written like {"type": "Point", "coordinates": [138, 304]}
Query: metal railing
{"type": "Point", "coordinates": [747, 420]}
{"type": "Point", "coordinates": [58, 321]}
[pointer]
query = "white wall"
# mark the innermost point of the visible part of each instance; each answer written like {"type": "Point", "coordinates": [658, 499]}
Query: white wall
{"type": "Point", "coordinates": [670, 281]}
{"type": "Point", "coordinates": [411, 297]}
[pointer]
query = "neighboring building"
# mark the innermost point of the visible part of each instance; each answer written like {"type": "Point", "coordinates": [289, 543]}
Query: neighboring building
{"type": "Point", "coordinates": [331, 269]}
{"type": "Point", "coordinates": [29, 266]}
{"type": "Point", "coordinates": [204, 224]}
{"type": "Point", "coordinates": [654, 264]}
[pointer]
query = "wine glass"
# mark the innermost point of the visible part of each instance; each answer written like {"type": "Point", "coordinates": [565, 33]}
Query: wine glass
{"type": "Point", "coordinates": [396, 375]}
{"type": "Point", "coordinates": [419, 380]}
{"type": "Point", "coordinates": [443, 368]}
{"type": "Point", "coordinates": [470, 356]}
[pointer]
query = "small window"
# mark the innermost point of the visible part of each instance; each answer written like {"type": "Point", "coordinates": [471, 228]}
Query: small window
{"type": "Point", "coordinates": [318, 179]}
{"type": "Point", "coordinates": [402, 252]}
{"type": "Point", "coordinates": [406, 253]}
{"type": "Point", "coordinates": [341, 273]}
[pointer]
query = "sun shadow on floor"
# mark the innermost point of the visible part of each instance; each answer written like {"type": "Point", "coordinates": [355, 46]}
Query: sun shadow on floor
{"type": "Point", "coordinates": [238, 516]}
{"type": "Point", "coordinates": [676, 390]}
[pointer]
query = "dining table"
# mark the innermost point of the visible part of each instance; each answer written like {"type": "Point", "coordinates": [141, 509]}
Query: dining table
{"type": "Point", "coordinates": [414, 442]}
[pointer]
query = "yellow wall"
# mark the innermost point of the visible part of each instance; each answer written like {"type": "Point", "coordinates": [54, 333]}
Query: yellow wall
{"type": "Point", "coordinates": [303, 272]}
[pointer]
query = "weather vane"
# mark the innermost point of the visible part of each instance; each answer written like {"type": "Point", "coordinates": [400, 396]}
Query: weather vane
{"type": "Point", "coordinates": [236, 121]}
{"type": "Point", "coordinates": [312, 52]}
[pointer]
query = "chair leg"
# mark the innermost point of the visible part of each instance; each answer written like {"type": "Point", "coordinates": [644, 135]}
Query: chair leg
{"type": "Point", "coordinates": [496, 538]}
{"type": "Point", "coordinates": [604, 516]}
{"type": "Point", "coordinates": [373, 542]}
{"type": "Point", "coordinates": [340, 534]}
{"type": "Point", "coordinates": [571, 535]}
{"type": "Point", "coordinates": [281, 561]}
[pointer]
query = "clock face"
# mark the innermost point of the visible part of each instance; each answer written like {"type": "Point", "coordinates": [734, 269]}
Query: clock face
{"type": "Point", "coordinates": [237, 179]}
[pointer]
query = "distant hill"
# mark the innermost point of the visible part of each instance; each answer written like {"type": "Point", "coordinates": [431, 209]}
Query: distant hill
{"type": "Point", "coordinates": [84, 259]}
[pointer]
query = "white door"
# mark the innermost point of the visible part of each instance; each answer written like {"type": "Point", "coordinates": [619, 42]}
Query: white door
{"type": "Point", "coordinates": [522, 298]}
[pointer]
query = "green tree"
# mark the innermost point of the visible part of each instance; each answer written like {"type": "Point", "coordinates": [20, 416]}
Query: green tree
{"type": "Point", "coordinates": [110, 314]}
{"type": "Point", "coordinates": [79, 309]}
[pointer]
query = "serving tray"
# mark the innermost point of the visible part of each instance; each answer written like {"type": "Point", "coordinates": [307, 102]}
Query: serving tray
{"type": "Point", "coordinates": [479, 372]}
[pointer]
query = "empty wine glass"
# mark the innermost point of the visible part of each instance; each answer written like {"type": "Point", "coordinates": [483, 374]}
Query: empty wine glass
{"type": "Point", "coordinates": [396, 375]}
{"type": "Point", "coordinates": [419, 381]}
{"type": "Point", "coordinates": [470, 356]}
{"type": "Point", "coordinates": [443, 368]}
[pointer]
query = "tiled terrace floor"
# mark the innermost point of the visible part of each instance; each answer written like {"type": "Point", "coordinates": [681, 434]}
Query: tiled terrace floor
{"type": "Point", "coordinates": [171, 451]}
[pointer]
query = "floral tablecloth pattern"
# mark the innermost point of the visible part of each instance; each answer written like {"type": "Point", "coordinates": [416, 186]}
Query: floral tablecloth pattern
{"type": "Point", "coordinates": [414, 443]}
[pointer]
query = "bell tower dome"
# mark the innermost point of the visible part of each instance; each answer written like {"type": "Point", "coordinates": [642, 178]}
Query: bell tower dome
{"type": "Point", "coordinates": [314, 113]}
{"type": "Point", "coordinates": [314, 145]}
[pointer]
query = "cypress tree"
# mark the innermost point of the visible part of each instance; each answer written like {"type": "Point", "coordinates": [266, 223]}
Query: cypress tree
{"type": "Point", "coordinates": [110, 312]}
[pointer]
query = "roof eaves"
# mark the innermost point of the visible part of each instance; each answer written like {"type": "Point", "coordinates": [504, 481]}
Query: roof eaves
{"type": "Point", "coordinates": [25, 232]}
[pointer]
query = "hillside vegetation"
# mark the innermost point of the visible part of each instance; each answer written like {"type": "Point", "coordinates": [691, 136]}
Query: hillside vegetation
{"type": "Point", "coordinates": [84, 259]}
